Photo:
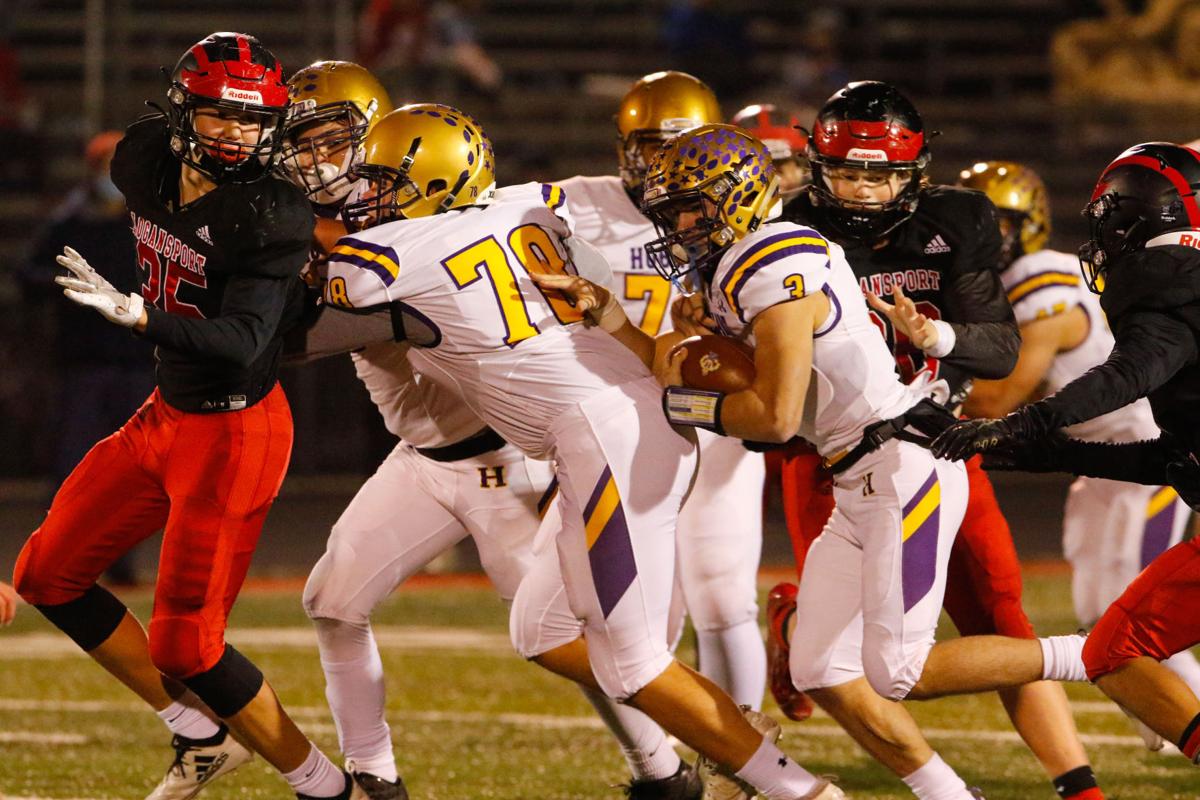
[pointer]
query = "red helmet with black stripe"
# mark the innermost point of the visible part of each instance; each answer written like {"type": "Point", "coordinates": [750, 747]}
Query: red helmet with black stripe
{"type": "Point", "coordinates": [1146, 196]}
{"type": "Point", "coordinates": [867, 125]}
{"type": "Point", "coordinates": [234, 74]}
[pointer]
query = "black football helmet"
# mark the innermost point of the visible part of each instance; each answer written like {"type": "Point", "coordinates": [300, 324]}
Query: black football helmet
{"type": "Point", "coordinates": [1145, 194]}
{"type": "Point", "coordinates": [867, 125]}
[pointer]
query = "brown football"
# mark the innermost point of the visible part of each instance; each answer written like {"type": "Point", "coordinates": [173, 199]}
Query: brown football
{"type": "Point", "coordinates": [717, 363]}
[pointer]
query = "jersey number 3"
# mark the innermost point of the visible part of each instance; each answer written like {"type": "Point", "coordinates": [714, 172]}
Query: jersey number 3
{"type": "Point", "coordinates": [534, 251]}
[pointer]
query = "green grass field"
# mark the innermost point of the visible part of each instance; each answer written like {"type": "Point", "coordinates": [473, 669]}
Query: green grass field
{"type": "Point", "coordinates": [471, 720]}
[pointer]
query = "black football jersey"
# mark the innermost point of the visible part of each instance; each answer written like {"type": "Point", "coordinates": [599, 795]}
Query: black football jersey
{"type": "Point", "coordinates": [216, 274]}
{"type": "Point", "coordinates": [946, 257]}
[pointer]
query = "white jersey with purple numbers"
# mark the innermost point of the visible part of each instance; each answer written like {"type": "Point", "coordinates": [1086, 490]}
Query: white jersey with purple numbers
{"type": "Point", "coordinates": [509, 350]}
{"type": "Point", "coordinates": [1047, 283]}
{"type": "Point", "coordinates": [854, 381]}
{"type": "Point", "coordinates": [605, 217]}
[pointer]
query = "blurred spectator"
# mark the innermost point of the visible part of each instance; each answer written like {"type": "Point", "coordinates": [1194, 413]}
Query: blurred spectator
{"type": "Point", "coordinates": [1145, 58]}
{"type": "Point", "coordinates": [409, 42]}
{"type": "Point", "coordinates": [21, 163]}
{"type": "Point", "coordinates": [708, 39]}
{"type": "Point", "coordinates": [104, 372]}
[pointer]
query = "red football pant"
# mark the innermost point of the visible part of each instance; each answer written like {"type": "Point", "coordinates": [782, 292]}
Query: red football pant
{"type": "Point", "coordinates": [983, 583]}
{"type": "Point", "coordinates": [207, 480]}
{"type": "Point", "coordinates": [1155, 616]}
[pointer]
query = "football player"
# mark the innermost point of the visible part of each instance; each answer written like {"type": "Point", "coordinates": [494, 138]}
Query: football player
{"type": "Point", "coordinates": [1111, 530]}
{"type": "Point", "coordinates": [720, 525]}
{"type": "Point", "coordinates": [936, 251]}
{"type": "Point", "coordinates": [872, 586]}
{"type": "Point", "coordinates": [451, 475]}
{"type": "Point", "coordinates": [1141, 259]}
{"type": "Point", "coordinates": [455, 257]}
{"type": "Point", "coordinates": [220, 243]}
{"type": "Point", "coordinates": [786, 142]}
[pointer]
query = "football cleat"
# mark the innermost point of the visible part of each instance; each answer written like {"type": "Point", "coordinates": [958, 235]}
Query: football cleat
{"type": "Point", "coordinates": [376, 787]}
{"type": "Point", "coordinates": [353, 791]}
{"type": "Point", "coordinates": [781, 605]}
{"type": "Point", "coordinates": [199, 761]}
{"type": "Point", "coordinates": [683, 785]}
{"type": "Point", "coordinates": [825, 790]}
{"type": "Point", "coordinates": [720, 783]}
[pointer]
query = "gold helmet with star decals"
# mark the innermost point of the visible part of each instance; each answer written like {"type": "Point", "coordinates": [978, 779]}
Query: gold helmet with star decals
{"type": "Point", "coordinates": [719, 178]}
{"type": "Point", "coordinates": [656, 108]}
{"type": "Point", "coordinates": [1018, 194]}
{"type": "Point", "coordinates": [422, 159]}
{"type": "Point", "coordinates": [334, 104]}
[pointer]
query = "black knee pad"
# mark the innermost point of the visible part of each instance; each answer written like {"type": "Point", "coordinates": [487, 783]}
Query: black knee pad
{"type": "Point", "coordinates": [229, 685]}
{"type": "Point", "coordinates": [88, 619]}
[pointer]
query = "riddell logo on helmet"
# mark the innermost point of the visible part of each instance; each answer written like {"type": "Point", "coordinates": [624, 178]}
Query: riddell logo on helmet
{"type": "Point", "coordinates": [858, 154]}
{"type": "Point", "coordinates": [241, 95]}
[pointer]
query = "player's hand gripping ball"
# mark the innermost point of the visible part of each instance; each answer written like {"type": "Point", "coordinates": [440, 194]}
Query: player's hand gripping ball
{"type": "Point", "coordinates": [717, 363]}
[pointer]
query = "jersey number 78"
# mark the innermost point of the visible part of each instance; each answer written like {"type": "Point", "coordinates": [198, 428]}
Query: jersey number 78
{"type": "Point", "coordinates": [531, 249]}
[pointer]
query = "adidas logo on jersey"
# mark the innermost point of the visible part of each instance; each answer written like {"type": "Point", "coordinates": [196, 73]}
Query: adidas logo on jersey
{"type": "Point", "coordinates": [936, 245]}
{"type": "Point", "coordinates": [202, 235]}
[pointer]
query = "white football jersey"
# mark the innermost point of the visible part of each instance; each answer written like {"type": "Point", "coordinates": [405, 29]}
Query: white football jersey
{"type": "Point", "coordinates": [605, 217]}
{"type": "Point", "coordinates": [418, 410]}
{"type": "Point", "coordinates": [512, 353]}
{"type": "Point", "coordinates": [1047, 283]}
{"type": "Point", "coordinates": [854, 381]}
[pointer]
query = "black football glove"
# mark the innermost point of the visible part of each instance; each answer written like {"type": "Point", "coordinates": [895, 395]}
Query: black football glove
{"type": "Point", "coordinates": [964, 439]}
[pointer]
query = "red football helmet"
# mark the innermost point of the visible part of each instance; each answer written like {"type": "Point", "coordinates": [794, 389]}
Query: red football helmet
{"type": "Point", "coordinates": [1147, 195]}
{"type": "Point", "coordinates": [785, 140]}
{"type": "Point", "coordinates": [867, 125]}
{"type": "Point", "coordinates": [232, 72]}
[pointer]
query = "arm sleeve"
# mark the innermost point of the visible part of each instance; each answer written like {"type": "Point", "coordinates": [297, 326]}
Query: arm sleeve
{"type": "Point", "coordinates": [251, 307]}
{"type": "Point", "coordinates": [986, 337]}
{"type": "Point", "coordinates": [1150, 348]}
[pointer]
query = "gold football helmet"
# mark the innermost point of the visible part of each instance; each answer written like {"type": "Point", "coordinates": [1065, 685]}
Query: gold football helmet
{"type": "Point", "coordinates": [658, 106]}
{"type": "Point", "coordinates": [333, 106]}
{"type": "Point", "coordinates": [422, 159]}
{"type": "Point", "coordinates": [1018, 194]}
{"type": "Point", "coordinates": [718, 175]}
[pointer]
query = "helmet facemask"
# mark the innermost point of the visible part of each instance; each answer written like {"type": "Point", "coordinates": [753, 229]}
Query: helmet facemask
{"type": "Point", "coordinates": [1012, 237]}
{"type": "Point", "coordinates": [679, 252]}
{"type": "Point", "coordinates": [865, 220]}
{"type": "Point", "coordinates": [1105, 242]}
{"type": "Point", "coordinates": [321, 163]}
{"type": "Point", "coordinates": [220, 159]}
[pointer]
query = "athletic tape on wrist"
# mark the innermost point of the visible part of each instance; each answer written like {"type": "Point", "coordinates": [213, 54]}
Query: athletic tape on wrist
{"type": "Point", "coordinates": [695, 407]}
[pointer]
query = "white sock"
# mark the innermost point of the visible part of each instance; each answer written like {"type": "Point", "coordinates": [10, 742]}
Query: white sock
{"type": "Point", "coordinates": [735, 659]}
{"type": "Point", "coordinates": [775, 775]}
{"type": "Point", "coordinates": [354, 687]}
{"type": "Point", "coordinates": [317, 776]}
{"type": "Point", "coordinates": [1062, 658]}
{"type": "Point", "coordinates": [937, 781]}
{"type": "Point", "coordinates": [644, 745]}
{"type": "Point", "coordinates": [188, 722]}
{"type": "Point", "coordinates": [1184, 665]}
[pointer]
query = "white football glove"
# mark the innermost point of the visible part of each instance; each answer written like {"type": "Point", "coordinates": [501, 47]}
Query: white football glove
{"type": "Point", "coordinates": [87, 287]}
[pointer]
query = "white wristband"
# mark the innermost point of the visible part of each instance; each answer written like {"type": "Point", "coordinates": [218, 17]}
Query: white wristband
{"type": "Point", "coordinates": [610, 317]}
{"type": "Point", "coordinates": [945, 339]}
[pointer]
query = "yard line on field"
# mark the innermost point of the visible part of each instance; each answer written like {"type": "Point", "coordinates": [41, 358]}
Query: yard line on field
{"type": "Point", "coordinates": [4, 796]}
{"type": "Point", "coordinates": [53, 646]}
{"type": "Point", "coordinates": [316, 722]}
{"type": "Point", "coordinates": [35, 737]}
